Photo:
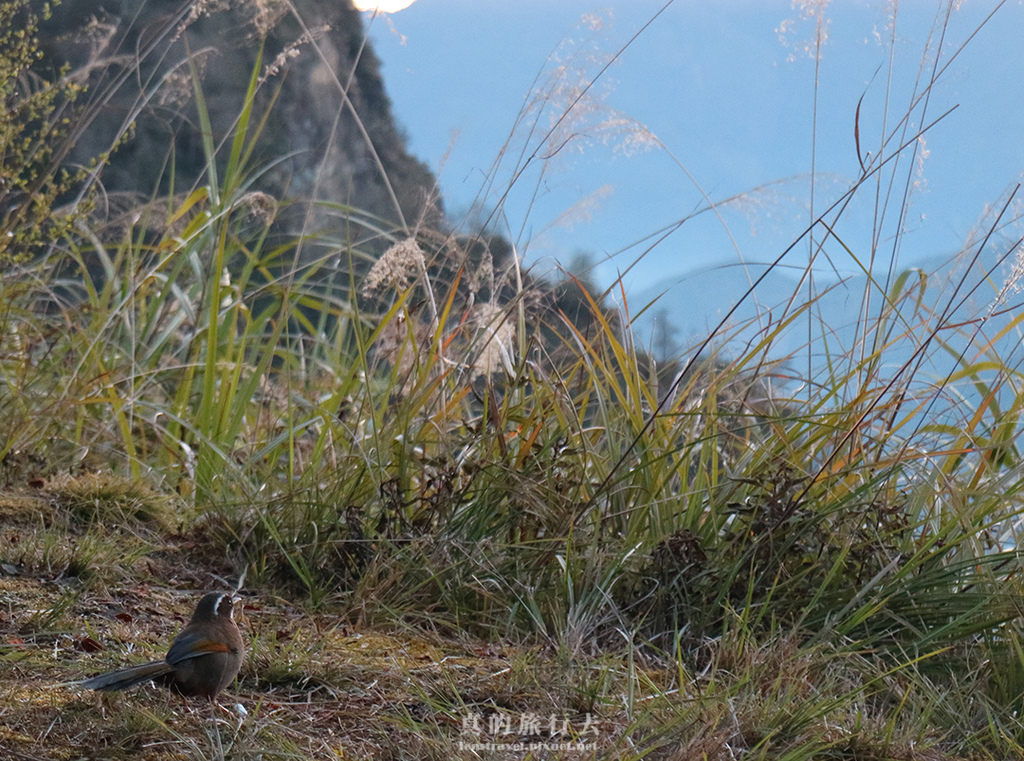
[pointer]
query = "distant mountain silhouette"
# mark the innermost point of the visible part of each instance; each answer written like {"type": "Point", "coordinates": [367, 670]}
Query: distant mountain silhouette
{"type": "Point", "coordinates": [694, 303]}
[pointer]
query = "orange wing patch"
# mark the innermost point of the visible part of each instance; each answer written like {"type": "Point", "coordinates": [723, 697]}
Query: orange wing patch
{"type": "Point", "coordinates": [209, 646]}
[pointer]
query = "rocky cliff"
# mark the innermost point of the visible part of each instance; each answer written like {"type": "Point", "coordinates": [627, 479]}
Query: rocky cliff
{"type": "Point", "coordinates": [330, 133]}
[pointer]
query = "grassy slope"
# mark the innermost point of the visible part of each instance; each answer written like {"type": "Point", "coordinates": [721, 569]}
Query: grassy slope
{"type": "Point", "coordinates": [320, 684]}
{"type": "Point", "coordinates": [449, 499]}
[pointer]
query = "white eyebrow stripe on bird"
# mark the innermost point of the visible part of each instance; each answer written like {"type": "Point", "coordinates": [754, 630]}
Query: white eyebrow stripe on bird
{"type": "Point", "coordinates": [216, 607]}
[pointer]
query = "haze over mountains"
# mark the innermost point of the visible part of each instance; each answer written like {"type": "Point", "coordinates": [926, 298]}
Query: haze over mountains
{"type": "Point", "coordinates": [695, 303]}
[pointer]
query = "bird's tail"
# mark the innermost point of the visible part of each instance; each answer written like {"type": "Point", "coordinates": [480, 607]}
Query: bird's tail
{"type": "Point", "coordinates": [122, 679]}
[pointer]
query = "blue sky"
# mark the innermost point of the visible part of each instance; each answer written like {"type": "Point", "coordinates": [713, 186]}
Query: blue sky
{"type": "Point", "coordinates": [725, 107]}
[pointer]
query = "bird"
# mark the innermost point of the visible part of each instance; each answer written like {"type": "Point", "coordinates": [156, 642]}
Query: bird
{"type": "Point", "coordinates": [203, 659]}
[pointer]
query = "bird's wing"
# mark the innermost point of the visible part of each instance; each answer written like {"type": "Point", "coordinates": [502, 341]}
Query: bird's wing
{"type": "Point", "coordinates": [191, 645]}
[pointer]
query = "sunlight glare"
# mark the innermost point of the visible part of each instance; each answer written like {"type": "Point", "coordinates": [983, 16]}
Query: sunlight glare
{"type": "Point", "coordinates": [384, 6]}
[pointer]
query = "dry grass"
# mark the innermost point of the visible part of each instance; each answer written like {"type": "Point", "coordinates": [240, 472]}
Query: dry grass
{"type": "Point", "coordinates": [313, 686]}
{"type": "Point", "coordinates": [318, 685]}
